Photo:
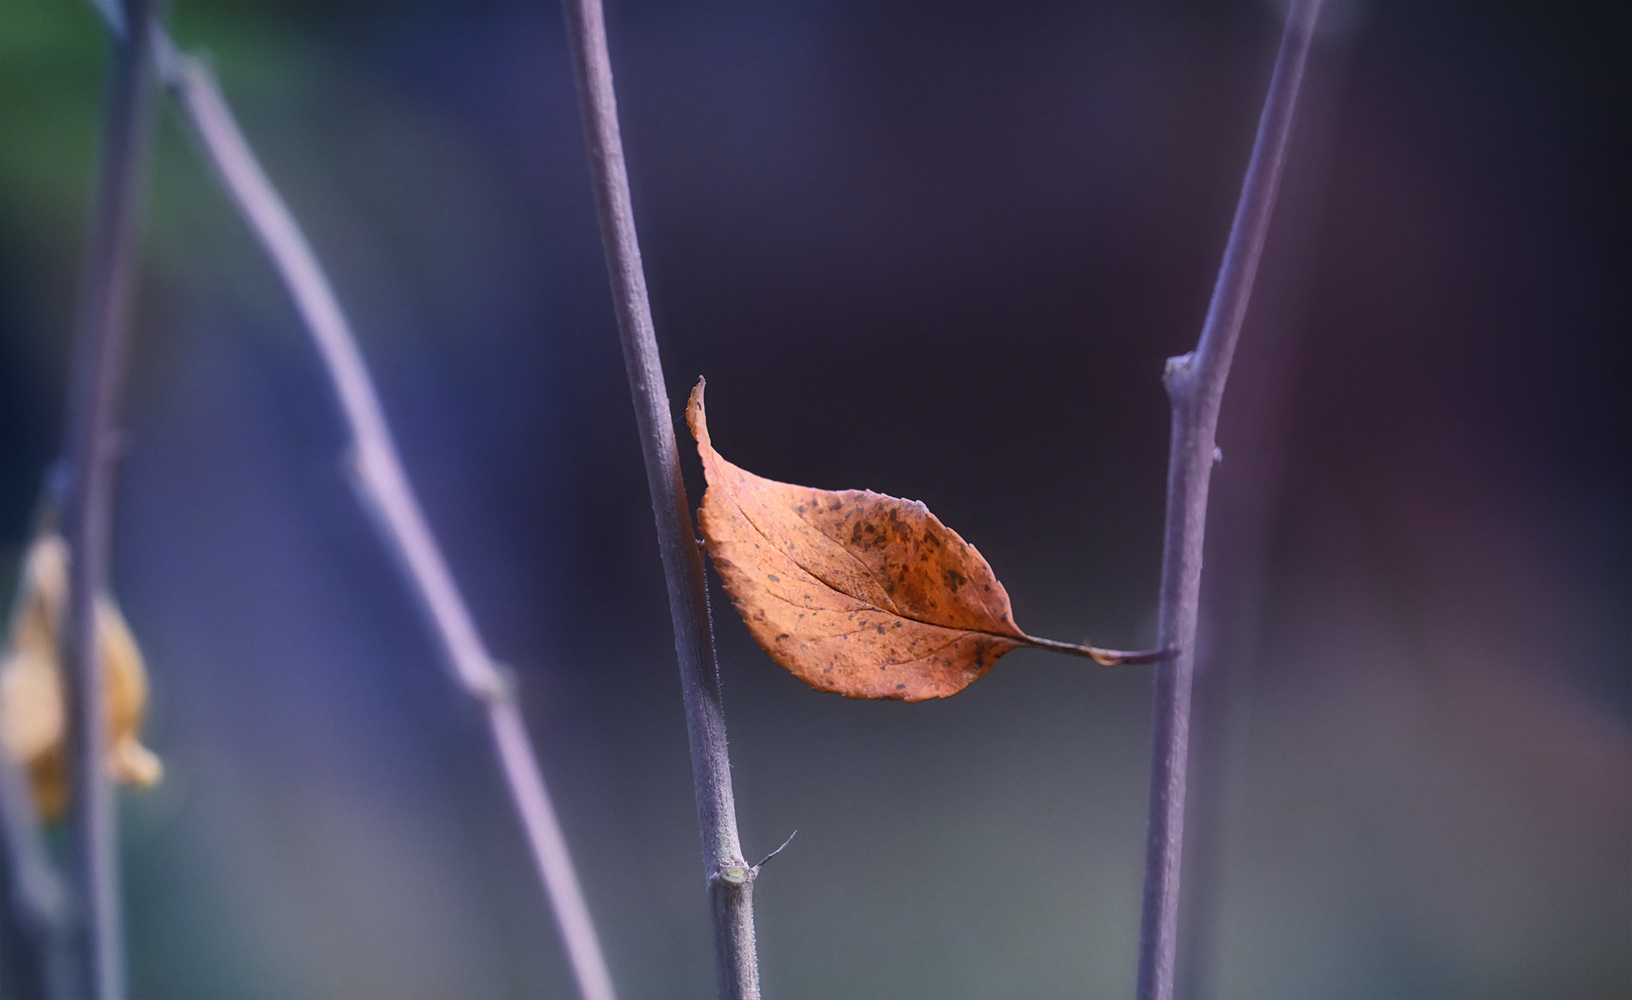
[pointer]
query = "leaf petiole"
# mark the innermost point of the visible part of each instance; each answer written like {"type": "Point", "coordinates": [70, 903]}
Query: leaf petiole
{"type": "Point", "coordinates": [1106, 657]}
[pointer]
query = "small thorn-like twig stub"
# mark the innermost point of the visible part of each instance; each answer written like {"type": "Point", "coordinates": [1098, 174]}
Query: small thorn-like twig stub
{"type": "Point", "coordinates": [737, 874]}
{"type": "Point", "coordinates": [774, 853]}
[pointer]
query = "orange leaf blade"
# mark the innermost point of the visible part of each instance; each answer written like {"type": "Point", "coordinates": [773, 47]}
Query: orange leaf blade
{"type": "Point", "coordinates": [855, 592]}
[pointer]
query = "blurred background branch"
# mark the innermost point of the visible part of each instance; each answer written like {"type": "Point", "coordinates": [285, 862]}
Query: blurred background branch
{"type": "Point", "coordinates": [38, 896]}
{"type": "Point", "coordinates": [102, 332]}
{"type": "Point", "coordinates": [383, 486]}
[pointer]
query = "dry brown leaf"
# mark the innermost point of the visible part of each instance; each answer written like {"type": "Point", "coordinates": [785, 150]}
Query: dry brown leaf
{"type": "Point", "coordinates": [31, 684]}
{"type": "Point", "coordinates": [856, 592]}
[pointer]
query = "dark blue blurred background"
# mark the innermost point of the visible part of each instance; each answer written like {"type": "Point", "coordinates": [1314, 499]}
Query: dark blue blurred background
{"type": "Point", "coordinates": [937, 250]}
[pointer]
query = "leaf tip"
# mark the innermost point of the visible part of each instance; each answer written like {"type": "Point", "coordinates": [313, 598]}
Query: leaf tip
{"type": "Point", "coordinates": [695, 418]}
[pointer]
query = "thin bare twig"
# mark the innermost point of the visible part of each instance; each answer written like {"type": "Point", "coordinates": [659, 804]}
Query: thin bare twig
{"type": "Point", "coordinates": [1195, 385]}
{"type": "Point", "coordinates": [730, 878]}
{"type": "Point", "coordinates": [102, 324]}
{"type": "Point", "coordinates": [38, 896]}
{"type": "Point", "coordinates": [383, 485]}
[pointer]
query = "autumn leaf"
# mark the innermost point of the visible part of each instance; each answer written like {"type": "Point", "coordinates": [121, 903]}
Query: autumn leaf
{"type": "Point", "coordinates": [32, 723]}
{"type": "Point", "coordinates": [867, 595]}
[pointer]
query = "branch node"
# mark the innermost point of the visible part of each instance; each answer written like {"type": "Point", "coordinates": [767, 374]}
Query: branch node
{"type": "Point", "coordinates": [736, 874]}
{"type": "Point", "coordinates": [1176, 373]}
{"type": "Point", "coordinates": [496, 686]}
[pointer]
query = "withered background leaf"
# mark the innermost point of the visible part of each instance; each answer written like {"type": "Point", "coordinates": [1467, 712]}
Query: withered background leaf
{"type": "Point", "coordinates": [856, 592]}
{"type": "Point", "coordinates": [33, 729]}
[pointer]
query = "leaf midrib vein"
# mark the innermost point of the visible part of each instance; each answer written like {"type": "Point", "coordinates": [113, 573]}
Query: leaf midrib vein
{"type": "Point", "coordinates": [1019, 640]}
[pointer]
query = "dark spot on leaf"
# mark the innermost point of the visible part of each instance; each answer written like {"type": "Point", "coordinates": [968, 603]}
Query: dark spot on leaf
{"type": "Point", "coordinates": [773, 578]}
{"type": "Point", "coordinates": [954, 579]}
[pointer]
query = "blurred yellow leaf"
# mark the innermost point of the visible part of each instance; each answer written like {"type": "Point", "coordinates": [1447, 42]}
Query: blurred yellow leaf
{"type": "Point", "coordinates": [32, 726]}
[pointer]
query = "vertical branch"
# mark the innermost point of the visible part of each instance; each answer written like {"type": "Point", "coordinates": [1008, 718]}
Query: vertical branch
{"type": "Point", "coordinates": [101, 334]}
{"type": "Point", "coordinates": [38, 897]}
{"type": "Point", "coordinates": [383, 486]}
{"type": "Point", "coordinates": [730, 880]}
{"type": "Point", "coordinates": [1195, 385]}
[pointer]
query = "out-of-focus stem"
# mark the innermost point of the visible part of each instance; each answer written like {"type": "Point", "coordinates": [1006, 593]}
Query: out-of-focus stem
{"type": "Point", "coordinates": [730, 879]}
{"type": "Point", "coordinates": [1195, 385]}
{"type": "Point", "coordinates": [383, 485]}
{"type": "Point", "coordinates": [102, 324]}
{"type": "Point", "coordinates": [38, 897]}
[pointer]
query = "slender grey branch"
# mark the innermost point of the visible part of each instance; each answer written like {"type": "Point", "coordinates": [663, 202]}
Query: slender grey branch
{"type": "Point", "coordinates": [730, 878]}
{"type": "Point", "coordinates": [383, 485]}
{"type": "Point", "coordinates": [38, 896]}
{"type": "Point", "coordinates": [374, 454]}
{"type": "Point", "coordinates": [102, 324]}
{"type": "Point", "coordinates": [1195, 385]}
